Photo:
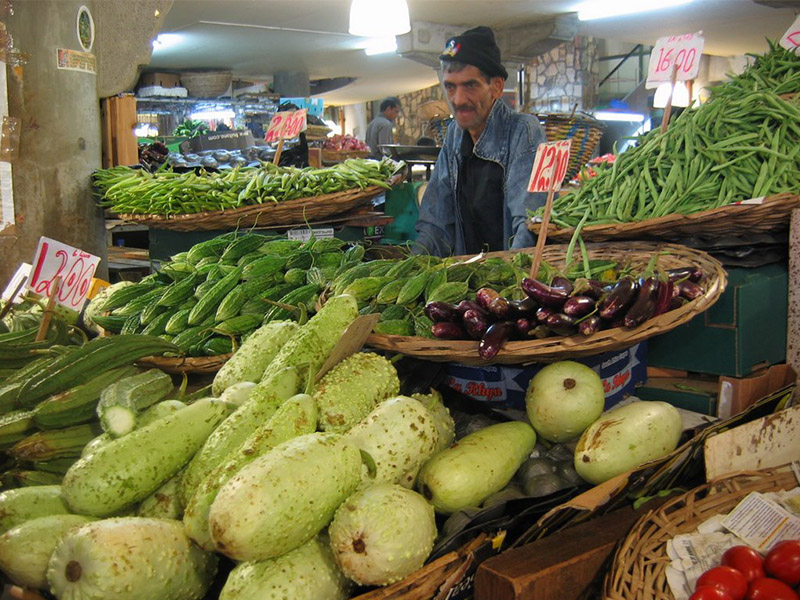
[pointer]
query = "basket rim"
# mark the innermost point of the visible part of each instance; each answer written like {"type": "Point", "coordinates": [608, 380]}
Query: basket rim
{"type": "Point", "coordinates": [556, 348]}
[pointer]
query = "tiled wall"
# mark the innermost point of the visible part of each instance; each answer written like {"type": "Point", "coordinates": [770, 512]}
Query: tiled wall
{"type": "Point", "coordinates": [564, 77]}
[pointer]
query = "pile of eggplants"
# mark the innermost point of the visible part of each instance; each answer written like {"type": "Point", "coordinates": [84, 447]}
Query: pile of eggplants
{"type": "Point", "coordinates": [562, 308]}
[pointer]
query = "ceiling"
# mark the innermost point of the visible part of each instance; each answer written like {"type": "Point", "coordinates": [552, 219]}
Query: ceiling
{"type": "Point", "coordinates": [256, 38]}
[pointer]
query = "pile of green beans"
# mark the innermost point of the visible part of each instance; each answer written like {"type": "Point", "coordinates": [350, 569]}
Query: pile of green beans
{"type": "Point", "coordinates": [743, 143]}
{"type": "Point", "coordinates": [135, 191]}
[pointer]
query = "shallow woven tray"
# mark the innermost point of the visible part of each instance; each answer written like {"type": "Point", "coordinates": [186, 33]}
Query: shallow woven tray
{"type": "Point", "coordinates": [557, 348]}
{"type": "Point", "coordinates": [640, 562]}
{"type": "Point", "coordinates": [299, 210]}
{"type": "Point", "coordinates": [191, 365]}
{"type": "Point", "coordinates": [336, 155]}
{"type": "Point", "coordinates": [773, 213]}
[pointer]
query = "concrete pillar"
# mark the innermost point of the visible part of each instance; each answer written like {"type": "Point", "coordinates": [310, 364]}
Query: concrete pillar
{"type": "Point", "coordinates": [60, 137]}
{"type": "Point", "coordinates": [291, 84]}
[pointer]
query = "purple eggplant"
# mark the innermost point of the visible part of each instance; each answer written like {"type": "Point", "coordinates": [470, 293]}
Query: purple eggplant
{"type": "Point", "coordinates": [544, 294]}
{"type": "Point", "coordinates": [440, 312]}
{"type": "Point", "coordinates": [562, 324]}
{"type": "Point", "coordinates": [524, 327]}
{"type": "Point", "coordinates": [694, 274]}
{"type": "Point", "coordinates": [665, 291]}
{"type": "Point", "coordinates": [589, 287]}
{"type": "Point", "coordinates": [677, 302]}
{"type": "Point", "coordinates": [645, 305]}
{"type": "Point", "coordinates": [618, 299]}
{"type": "Point", "coordinates": [562, 283]}
{"type": "Point", "coordinates": [690, 290]}
{"type": "Point", "coordinates": [578, 306]}
{"type": "Point", "coordinates": [502, 309]}
{"type": "Point", "coordinates": [449, 331]}
{"type": "Point", "coordinates": [466, 305]}
{"type": "Point", "coordinates": [475, 323]}
{"type": "Point", "coordinates": [484, 297]}
{"type": "Point", "coordinates": [590, 325]}
{"type": "Point", "coordinates": [495, 338]}
{"type": "Point", "coordinates": [526, 307]}
{"type": "Point", "coordinates": [543, 313]}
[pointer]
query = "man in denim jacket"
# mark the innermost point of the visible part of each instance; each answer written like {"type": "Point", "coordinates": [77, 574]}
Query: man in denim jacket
{"type": "Point", "coordinates": [477, 198]}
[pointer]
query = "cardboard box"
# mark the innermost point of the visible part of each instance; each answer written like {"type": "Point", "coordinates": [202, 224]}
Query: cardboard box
{"type": "Point", "coordinates": [165, 80]}
{"type": "Point", "coordinates": [743, 332]}
{"type": "Point", "coordinates": [695, 394]}
{"type": "Point", "coordinates": [735, 395]}
{"type": "Point", "coordinates": [223, 140]}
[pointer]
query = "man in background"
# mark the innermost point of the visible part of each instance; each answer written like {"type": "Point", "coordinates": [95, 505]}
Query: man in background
{"type": "Point", "coordinates": [380, 130]}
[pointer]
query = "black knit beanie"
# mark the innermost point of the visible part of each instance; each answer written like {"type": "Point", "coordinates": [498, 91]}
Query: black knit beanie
{"type": "Point", "coordinates": [476, 47]}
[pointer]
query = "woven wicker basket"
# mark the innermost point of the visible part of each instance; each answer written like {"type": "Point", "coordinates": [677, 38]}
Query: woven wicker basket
{"type": "Point", "coordinates": [584, 131]}
{"type": "Point", "coordinates": [289, 212]}
{"type": "Point", "coordinates": [637, 254]}
{"type": "Point", "coordinates": [206, 84]}
{"type": "Point", "coordinates": [773, 213]}
{"type": "Point", "coordinates": [437, 129]}
{"type": "Point", "coordinates": [640, 561]}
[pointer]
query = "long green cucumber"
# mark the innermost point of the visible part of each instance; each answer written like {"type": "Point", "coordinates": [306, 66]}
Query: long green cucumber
{"type": "Point", "coordinates": [236, 428]}
{"type": "Point", "coordinates": [134, 466]}
{"type": "Point", "coordinates": [295, 417]}
{"type": "Point", "coordinates": [94, 357]}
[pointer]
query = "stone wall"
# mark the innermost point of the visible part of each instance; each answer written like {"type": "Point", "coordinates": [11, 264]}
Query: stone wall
{"type": "Point", "coordinates": [564, 77]}
{"type": "Point", "coordinates": [410, 125]}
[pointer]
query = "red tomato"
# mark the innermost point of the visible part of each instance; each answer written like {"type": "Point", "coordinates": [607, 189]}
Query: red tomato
{"type": "Point", "coordinates": [745, 560]}
{"type": "Point", "coordinates": [708, 592]}
{"type": "Point", "coordinates": [766, 588]}
{"type": "Point", "coordinates": [783, 562]}
{"type": "Point", "coordinates": [727, 579]}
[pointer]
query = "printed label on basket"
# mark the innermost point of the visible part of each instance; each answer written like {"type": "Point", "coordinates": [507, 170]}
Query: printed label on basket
{"type": "Point", "coordinates": [303, 235]}
{"type": "Point", "coordinates": [286, 125]}
{"type": "Point", "coordinates": [791, 39]}
{"type": "Point", "coordinates": [762, 523]}
{"type": "Point", "coordinates": [74, 266]}
{"type": "Point", "coordinates": [677, 51]}
{"type": "Point", "coordinates": [550, 166]}
{"type": "Point", "coordinates": [21, 275]}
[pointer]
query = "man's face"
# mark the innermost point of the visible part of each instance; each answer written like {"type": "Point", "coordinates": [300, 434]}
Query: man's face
{"type": "Point", "coordinates": [391, 113]}
{"type": "Point", "coordinates": [471, 97]}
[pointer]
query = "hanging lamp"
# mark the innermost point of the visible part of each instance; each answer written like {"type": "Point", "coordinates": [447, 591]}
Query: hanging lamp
{"type": "Point", "coordinates": [379, 18]}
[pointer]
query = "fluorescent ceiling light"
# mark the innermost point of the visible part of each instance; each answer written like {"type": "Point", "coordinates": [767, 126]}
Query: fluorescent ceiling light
{"type": "Point", "coordinates": [610, 115]}
{"type": "Point", "coordinates": [208, 115]}
{"type": "Point", "coordinates": [166, 40]}
{"type": "Point", "coordinates": [601, 9]}
{"type": "Point", "coordinates": [679, 98]}
{"type": "Point", "coordinates": [381, 45]}
{"type": "Point", "coordinates": [379, 18]}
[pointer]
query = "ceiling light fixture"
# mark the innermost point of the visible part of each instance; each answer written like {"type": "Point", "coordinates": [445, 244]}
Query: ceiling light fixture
{"type": "Point", "coordinates": [679, 98]}
{"type": "Point", "coordinates": [381, 45]}
{"type": "Point", "coordinates": [610, 115]}
{"type": "Point", "coordinates": [379, 18]}
{"type": "Point", "coordinates": [166, 40]}
{"type": "Point", "coordinates": [601, 9]}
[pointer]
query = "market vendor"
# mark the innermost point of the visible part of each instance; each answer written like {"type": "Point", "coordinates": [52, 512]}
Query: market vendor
{"type": "Point", "coordinates": [381, 128]}
{"type": "Point", "coordinates": [476, 199]}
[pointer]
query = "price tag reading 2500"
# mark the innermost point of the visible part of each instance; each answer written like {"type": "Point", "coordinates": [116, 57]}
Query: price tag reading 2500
{"type": "Point", "coordinates": [286, 125]}
{"type": "Point", "coordinates": [550, 166]}
{"type": "Point", "coordinates": [681, 52]}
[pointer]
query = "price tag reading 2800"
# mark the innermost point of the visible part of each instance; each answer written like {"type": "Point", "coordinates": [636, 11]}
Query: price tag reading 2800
{"type": "Point", "coordinates": [286, 125]}
{"type": "Point", "coordinates": [550, 166]}
{"type": "Point", "coordinates": [681, 52]}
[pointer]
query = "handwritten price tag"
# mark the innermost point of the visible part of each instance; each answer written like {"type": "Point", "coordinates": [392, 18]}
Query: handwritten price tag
{"type": "Point", "coordinates": [286, 125]}
{"type": "Point", "coordinates": [791, 39]}
{"type": "Point", "coordinates": [75, 267]}
{"type": "Point", "coordinates": [550, 166]}
{"type": "Point", "coordinates": [681, 51]}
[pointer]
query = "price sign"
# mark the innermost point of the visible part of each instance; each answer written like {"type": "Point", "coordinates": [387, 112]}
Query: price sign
{"type": "Point", "coordinates": [680, 51]}
{"type": "Point", "coordinates": [74, 266]}
{"type": "Point", "coordinates": [286, 125]}
{"type": "Point", "coordinates": [550, 166]}
{"type": "Point", "coordinates": [791, 39]}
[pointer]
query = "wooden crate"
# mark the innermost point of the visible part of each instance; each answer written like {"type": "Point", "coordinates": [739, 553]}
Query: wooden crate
{"type": "Point", "coordinates": [119, 142]}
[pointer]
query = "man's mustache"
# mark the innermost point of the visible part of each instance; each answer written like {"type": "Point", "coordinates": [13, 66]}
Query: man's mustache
{"type": "Point", "coordinates": [463, 107]}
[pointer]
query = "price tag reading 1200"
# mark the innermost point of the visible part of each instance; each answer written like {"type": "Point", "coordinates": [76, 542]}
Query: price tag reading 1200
{"type": "Point", "coordinates": [550, 166]}
{"type": "Point", "coordinates": [75, 268]}
{"type": "Point", "coordinates": [791, 39]}
{"type": "Point", "coordinates": [680, 51]}
{"type": "Point", "coordinates": [286, 125]}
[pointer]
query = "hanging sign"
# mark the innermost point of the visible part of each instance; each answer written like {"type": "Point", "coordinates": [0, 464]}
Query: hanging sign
{"type": "Point", "coordinates": [791, 39]}
{"type": "Point", "coordinates": [74, 267]}
{"type": "Point", "coordinates": [286, 125]}
{"type": "Point", "coordinates": [681, 52]}
{"type": "Point", "coordinates": [550, 166]}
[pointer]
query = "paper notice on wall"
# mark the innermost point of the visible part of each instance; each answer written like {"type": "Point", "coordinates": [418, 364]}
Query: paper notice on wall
{"type": "Point", "coordinates": [75, 60]}
{"type": "Point", "coordinates": [6, 186]}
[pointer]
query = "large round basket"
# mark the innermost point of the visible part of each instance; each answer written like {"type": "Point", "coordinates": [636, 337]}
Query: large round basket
{"type": "Point", "coordinates": [584, 131]}
{"type": "Point", "coordinates": [640, 562]}
{"type": "Point", "coordinates": [206, 84]}
{"type": "Point", "coordinates": [636, 254]}
{"type": "Point", "coordinates": [288, 212]}
{"type": "Point", "coordinates": [773, 212]}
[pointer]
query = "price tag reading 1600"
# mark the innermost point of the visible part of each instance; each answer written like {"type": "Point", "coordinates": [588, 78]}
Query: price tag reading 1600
{"type": "Point", "coordinates": [286, 125]}
{"type": "Point", "coordinates": [681, 52]}
{"type": "Point", "coordinates": [550, 166]}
